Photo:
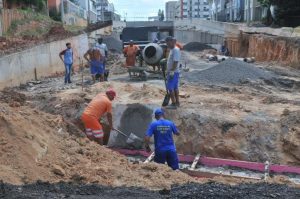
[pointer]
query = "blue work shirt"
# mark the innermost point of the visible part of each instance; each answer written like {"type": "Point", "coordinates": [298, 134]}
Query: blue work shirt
{"type": "Point", "coordinates": [68, 56]}
{"type": "Point", "coordinates": [163, 131]}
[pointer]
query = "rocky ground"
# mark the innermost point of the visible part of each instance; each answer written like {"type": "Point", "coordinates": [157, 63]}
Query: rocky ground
{"type": "Point", "coordinates": [208, 190]}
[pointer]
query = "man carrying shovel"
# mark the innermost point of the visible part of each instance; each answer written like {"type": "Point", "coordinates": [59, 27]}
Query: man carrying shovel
{"type": "Point", "coordinates": [163, 130]}
{"type": "Point", "coordinates": [100, 105]}
{"type": "Point", "coordinates": [173, 71]}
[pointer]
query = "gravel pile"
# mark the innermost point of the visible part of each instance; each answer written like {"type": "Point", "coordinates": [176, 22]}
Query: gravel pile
{"type": "Point", "coordinates": [196, 46]}
{"type": "Point", "coordinates": [208, 190]}
{"type": "Point", "coordinates": [113, 44]}
{"type": "Point", "coordinates": [228, 72]}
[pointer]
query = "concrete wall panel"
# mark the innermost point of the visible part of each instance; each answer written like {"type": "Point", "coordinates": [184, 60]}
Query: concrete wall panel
{"type": "Point", "coordinates": [18, 68]}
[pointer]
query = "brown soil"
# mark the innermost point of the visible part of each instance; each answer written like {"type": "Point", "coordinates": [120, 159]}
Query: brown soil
{"type": "Point", "coordinates": [281, 50]}
{"type": "Point", "coordinates": [18, 42]}
{"type": "Point", "coordinates": [37, 146]}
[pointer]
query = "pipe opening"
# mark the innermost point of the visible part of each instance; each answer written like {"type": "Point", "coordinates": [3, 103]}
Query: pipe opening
{"type": "Point", "coordinates": [150, 51]}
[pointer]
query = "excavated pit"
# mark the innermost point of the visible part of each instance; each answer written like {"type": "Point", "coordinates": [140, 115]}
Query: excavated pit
{"type": "Point", "coordinates": [130, 118]}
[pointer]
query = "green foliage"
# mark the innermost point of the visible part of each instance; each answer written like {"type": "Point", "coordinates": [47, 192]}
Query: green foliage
{"type": "Point", "coordinates": [55, 15]}
{"type": "Point", "coordinates": [161, 15]}
{"type": "Point", "coordinates": [38, 4]}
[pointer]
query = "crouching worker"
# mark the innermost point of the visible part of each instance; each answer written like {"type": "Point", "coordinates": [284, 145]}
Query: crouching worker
{"type": "Point", "coordinates": [97, 108]}
{"type": "Point", "coordinates": [163, 130]}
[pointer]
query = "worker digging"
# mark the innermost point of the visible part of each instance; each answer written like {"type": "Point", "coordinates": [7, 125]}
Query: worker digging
{"type": "Point", "coordinates": [163, 130]}
{"type": "Point", "coordinates": [96, 109]}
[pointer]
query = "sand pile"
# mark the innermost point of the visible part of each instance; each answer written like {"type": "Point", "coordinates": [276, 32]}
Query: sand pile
{"type": "Point", "coordinates": [37, 146]}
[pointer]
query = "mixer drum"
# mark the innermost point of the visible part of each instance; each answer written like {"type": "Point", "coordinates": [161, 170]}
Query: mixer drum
{"type": "Point", "coordinates": [153, 53]}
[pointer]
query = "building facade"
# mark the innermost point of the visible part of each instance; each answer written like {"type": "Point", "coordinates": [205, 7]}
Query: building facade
{"type": "Point", "coordinates": [170, 10]}
{"type": "Point", "coordinates": [193, 9]}
{"type": "Point", "coordinates": [90, 7]}
{"type": "Point", "coordinates": [106, 11]}
{"type": "Point", "coordinates": [236, 10]}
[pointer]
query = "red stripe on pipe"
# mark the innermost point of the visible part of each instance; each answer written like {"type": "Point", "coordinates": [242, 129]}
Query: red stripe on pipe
{"type": "Point", "coordinates": [215, 162]}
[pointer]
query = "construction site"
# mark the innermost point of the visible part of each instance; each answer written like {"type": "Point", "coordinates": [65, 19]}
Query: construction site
{"type": "Point", "coordinates": [239, 115]}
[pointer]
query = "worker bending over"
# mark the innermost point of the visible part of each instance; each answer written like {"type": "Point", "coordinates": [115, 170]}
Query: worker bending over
{"type": "Point", "coordinates": [97, 108]}
{"type": "Point", "coordinates": [163, 130]}
{"type": "Point", "coordinates": [130, 53]}
{"type": "Point", "coordinates": [94, 57]}
{"type": "Point", "coordinates": [173, 71]}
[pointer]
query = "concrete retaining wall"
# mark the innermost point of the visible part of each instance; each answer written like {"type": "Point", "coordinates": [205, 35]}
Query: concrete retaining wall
{"type": "Point", "coordinates": [19, 68]}
{"type": "Point", "coordinates": [213, 27]}
{"type": "Point", "coordinates": [185, 36]}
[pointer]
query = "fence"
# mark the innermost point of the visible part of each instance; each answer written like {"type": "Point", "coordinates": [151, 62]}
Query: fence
{"type": "Point", "coordinates": [71, 8]}
{"type": "Point", "coordinates": [8, 16]}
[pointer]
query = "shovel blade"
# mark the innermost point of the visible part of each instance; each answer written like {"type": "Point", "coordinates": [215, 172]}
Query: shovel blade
{"type": "Point", "coordinates": [166, 100]}
{"type": "Point", "coordinates": [134, 141]}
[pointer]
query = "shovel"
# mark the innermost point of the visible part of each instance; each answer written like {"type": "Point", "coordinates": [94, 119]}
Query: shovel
{"type": "Point", "coordinates": [167, 96]}
{"type": "Point", "coordinates": [132, 139]}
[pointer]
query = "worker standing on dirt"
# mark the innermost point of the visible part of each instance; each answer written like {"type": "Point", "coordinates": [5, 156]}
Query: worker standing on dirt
{"type": "Point", "coordinates": [130, 53]}
{"type": "Point", "coordinates": [97, 108]}
{"type": "Point", "coordinates": [163, 130]}
{"type": "Point", "coordinates": [173, 71]}
{"type": "Point", "coordinates": [95, 60]}
{"type": "Point", "coordinates": [68, 61]}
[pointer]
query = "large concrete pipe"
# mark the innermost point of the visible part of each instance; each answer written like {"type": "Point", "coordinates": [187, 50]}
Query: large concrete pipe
{"type": "Point", "coordinates": [153, 53]}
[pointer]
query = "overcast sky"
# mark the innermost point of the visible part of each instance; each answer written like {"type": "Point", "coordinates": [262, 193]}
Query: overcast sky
{"type": "Point", "coordinates": [138, 10]}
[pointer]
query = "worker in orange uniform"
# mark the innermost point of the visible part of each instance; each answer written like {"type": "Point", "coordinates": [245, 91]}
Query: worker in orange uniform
{"type": "Point", "coordinates": [100, 105]}
{"type": "Point", "coordinates": [130, 53]}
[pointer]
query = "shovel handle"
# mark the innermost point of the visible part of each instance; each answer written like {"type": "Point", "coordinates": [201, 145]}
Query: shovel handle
{"type": "Point", "coordinates": [120, 132]}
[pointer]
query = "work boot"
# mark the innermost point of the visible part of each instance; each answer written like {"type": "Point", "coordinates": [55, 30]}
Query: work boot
{"type": "Point", "coordinates": [178, 104]}
{"type": "Point", "coordinates": [171, 106]}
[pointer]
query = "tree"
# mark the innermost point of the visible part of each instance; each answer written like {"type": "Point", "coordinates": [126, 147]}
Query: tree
{"type": "Point", "coordinates": [286, 11]}
{"type": "Point", "coordinates": [38, 4]}
{"type": "Point", "coordinates": [162, 15]}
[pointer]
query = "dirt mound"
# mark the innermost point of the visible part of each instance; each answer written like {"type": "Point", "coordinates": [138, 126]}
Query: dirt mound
{"type": "Point", "coordinates": [196, 46]}
{"type": "Point", "coordinates": [115, 63]}
{"type": "Point", "coordinates": [38, 146]}
{"type": "Point", "coordinates": [146, 93]}
{"type": "Point", "coordinates": [230, 71]}
{"type": "Point", "coordinates": [12, 97]}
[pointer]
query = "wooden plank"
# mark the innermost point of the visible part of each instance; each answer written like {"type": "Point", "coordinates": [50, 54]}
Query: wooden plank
{"type": "Point", "coordinates": [196, 160]}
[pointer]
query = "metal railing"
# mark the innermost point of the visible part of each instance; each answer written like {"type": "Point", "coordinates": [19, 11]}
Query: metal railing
{"type": "Point", "coordinates": [71, 8]}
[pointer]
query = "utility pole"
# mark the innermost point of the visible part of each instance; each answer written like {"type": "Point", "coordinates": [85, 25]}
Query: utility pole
{"type": "Point", "coordinates": [47, 8]}
{"type": "Point", "coordinates": [89, 14]}
{"type": "Point", "coordinates": [62, 11]}
{"type": "Point", "coordinates": [102, 11]}
{"type": "Point", "coordinates": [248, 13]}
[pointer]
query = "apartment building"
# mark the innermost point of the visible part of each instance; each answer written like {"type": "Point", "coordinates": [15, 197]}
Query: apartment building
{"type": "Point", "coordinates": [90, 7]}
{"type": "Point", "coordinates": [193, 9]}
{"type": "Point", "coordinates": [170, 10]}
